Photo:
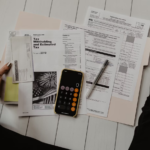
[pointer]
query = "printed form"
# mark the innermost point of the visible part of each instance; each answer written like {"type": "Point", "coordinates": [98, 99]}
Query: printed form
{"type": "Point", "coordinates": [134, 33]}
{"type": "Point", "coordinates": [52, 51]}
{"type": "Point", "coordinates": [99, 46]}
{"type": "Point", "coordinates": [22, 59]}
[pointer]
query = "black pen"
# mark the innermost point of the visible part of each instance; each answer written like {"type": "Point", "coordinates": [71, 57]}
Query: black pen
{"type": "Point", "coordinates": [97, 78]}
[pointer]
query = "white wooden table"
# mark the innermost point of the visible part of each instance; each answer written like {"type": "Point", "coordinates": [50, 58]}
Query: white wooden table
{"type": "Point", "coordinates": [84, 132]}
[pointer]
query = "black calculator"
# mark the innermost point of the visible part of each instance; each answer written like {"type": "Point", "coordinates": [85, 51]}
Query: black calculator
{"type": "Point", "coordinates": [69, 91]}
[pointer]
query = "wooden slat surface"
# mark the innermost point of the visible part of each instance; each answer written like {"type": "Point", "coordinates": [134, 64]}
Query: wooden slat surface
{"type": "Point", "coordinates": [101, 134]}
{"type": "Point", "coordinates": [140, 9]}
{"type": "Point", "coordinates": [72, 132]}
{"type": "Point", "coordinates": [9, 119]}
{"type": "Point", "coordinates": [40, 7]}
{"type": "Point", "coordinates": [83, 6]}
{"type": "Point", "coordinates": [64, 9]}
{"type": "Point", "coordinates": [9, 10]}
{"type": "Point", "coordinates": [119, 6]}
{"type": "Point", "coordinates": [43, 128]}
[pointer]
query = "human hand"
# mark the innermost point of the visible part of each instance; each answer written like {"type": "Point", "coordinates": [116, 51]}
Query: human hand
{"type": "Point", "coordinates": [5, 69]}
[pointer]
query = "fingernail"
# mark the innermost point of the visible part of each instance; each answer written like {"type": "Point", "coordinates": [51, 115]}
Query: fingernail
{"type": "Point", "coordinates": [8, 64]}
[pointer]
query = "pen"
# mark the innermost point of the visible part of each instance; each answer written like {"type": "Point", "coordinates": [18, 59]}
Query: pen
{"type": "Point", "coordinates": [97, 78]}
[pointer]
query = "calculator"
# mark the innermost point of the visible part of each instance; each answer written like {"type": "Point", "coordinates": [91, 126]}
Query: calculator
{"type": "Point", "coordinates": [69, 91]}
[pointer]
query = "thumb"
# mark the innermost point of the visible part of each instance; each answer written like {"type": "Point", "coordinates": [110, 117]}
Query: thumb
{"type": "Point", "coordinates": [5, 69]}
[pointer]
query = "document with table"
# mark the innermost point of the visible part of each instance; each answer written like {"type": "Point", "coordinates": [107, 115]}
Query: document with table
{"type": "Point", "coordinates": [99, 46]}
{"type": "Point", "coordinates": [52, 51]}
{"type": "Point", "coordinates": [134, 33]}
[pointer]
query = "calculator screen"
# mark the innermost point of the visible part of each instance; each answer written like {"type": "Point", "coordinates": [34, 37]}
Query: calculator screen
{"type": "Point", "coordinates": [68, 93]}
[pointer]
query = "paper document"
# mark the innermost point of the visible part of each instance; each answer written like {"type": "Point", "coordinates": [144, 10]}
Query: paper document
{"type": "Point", "coordinates": [134, 33]}
{"type": "Point", "coordinates": [22, 62]}
{"type": "Point", "coordinates": [38, 97]}
{"type": "Point", "coordinates": [99, 46]}
{"type": "Point", "coordinates": [11, 91]}
{"type": "Point", "coordinates": [52, 51]}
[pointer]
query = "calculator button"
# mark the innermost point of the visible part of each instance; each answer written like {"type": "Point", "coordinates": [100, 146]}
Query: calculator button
{"type": "Point", "coordinates": [61, 92]}
{"type": "Point", "coordinates": [75, 94]}
{"type": "Point", "coordinates": [70, 98]}
{"type": "Point", "coordinates": [62, 87]}
{"type": "Point", "coordinates": [74, 104]}
{"type": "Point", "coordinates": [66, 93]}
{"type": "Point", "coordinates": [70, 93]}
{"type": "Point", "coordinates": [65, 97]}
{"type": "Point", "coordinates": [60, 96]}
{"type": "Point", "coordinates": [69, 103]}
{"type": "Point", "coordinates": [77, 84]}
{"type": "Point", "coordinates": [67, 88]}
{"type": "Point", "coordinates": [59, 101]}
{"type": "Point", "coordinates": [61, 107]}
{"type": "Point", "coordinates": [64, 102]}
{"type": "Point", "coordinates": [76, 90]}
{"type": "Point", "coordinates": [74, 99]}
{"type": "Point", "coordinates": [73, 109]}
{"type": "Point", "coordinates": [68, 107]}
{"type": "Point", "coordinates": [71, 89]}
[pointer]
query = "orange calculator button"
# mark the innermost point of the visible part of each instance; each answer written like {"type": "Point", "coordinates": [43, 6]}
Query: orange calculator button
{"type": "Point", "coordinates": [73, 109]}
{"type": "Point", "coordinates": [75, 94]}
{"type": "Point", "coordinates": [76, 90]}
{"type": "Point", "coordinates": [74, 99]}
{"type": "Point", "coordinates": [74, 104]}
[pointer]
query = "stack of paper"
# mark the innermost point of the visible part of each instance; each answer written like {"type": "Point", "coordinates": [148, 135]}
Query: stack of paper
{"type": "Point", "coordinates": [105, 35]}
{"type": "Point", "coordinates": [52, 51]}
{"type": "Point", "coordinates": [99, 46]}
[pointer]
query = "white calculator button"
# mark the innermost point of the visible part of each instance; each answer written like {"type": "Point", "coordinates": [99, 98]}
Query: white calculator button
{"type": "Point", "coordinates": [71, 89]}
{"type": "Point", "coordinates": [67, 88]}
{"type": "Point", "coordinates": [77, 84]}
{"type": "Point", "coordinates": [62, 87]}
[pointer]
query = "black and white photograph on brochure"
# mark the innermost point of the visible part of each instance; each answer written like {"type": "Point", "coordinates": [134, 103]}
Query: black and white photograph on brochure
{"type": "Point", "coordinates": [44, 90]}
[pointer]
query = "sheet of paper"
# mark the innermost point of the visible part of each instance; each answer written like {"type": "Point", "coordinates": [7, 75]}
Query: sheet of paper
{"type": "Point", "coordinates": [99, 46]}
{"type": "Point", "coordinates": [22, 60]}
{"type": "Point", "coordinates": [50, 48]}
{"type": "Point", "coordinates": [11, 91]}
{"type": "Point", "coordinates": [38, 97]}
{"type": "Point", "coordinates": [67, 47]}
{"type": "Point", "coordinates": [74, 58]}
{"type": "Point", "coordinates": [134, 33]}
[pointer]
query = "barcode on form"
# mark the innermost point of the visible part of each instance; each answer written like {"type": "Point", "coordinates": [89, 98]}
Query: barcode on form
{"type": "Point", "coordinates": [16, 70]}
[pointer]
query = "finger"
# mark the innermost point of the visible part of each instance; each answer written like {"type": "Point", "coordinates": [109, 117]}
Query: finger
{"type": "Point", "coordinates": [5, 69]}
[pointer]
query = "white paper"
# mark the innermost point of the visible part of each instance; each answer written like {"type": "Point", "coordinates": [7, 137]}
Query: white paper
{"type": "Point", "coordinates": [99, 46]}
{"type": "Point", "coordinates": [134, 33]}
{"type": "Point", "coordinates": [50, 49]}
{"type": "Point", "coordinates": [38, 97]}
{"type": "Point", "coordinates": [22, 60]}
{"type": "Point", "coordinates": [74, 58]}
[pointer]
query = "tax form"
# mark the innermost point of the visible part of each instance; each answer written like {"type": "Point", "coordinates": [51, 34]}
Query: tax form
{"type": "Point", "coordinates": [22, 60]}
{"type": "Point", "coordinates": [66, 47]}
{"type": "Point", "coordinates": [99, 46]}
{"type": "Point", "coordinates": [134, 33]}
{"type": "Point", "coordinates": [52, 51]}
